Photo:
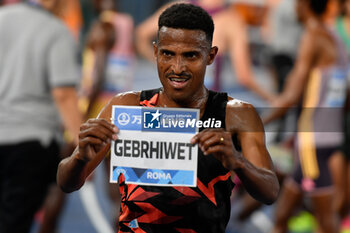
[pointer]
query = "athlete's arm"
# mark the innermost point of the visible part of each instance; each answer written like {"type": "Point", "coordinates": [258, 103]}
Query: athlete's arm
{"type": "Point", "coordinates": [100, 40]}
{"type": "Point", "coordinates": [94, 143]}
{"type": "Point", "coordinates": [296, 80]}
{"type": "Point", "coordinates": [238, 47]}
{"type": "Point", "coordinates": [253, 164]}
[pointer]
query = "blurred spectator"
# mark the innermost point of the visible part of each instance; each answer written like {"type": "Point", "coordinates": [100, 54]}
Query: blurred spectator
{"type": "Point", "coordinates": [284, 31]}
{"type": "Point", "coordinates": [88, 16]}
{"type": "Point", "coordinates": [342, 26]}
{"type": "Point", "coordinates": [253, 12]}
{"type": "Point", "coordinates": [5, 2]}
{"type": "Point", "coordinates": [319, 79]}
{"type": "Point", "coordinates": [332, 13]}
{"type": "Point", "coordinates": [108, 66]}
{"type": "Point", "coordinates": [49, 216]}
{"type": "Point", "coordinates": [232, 39]}
{"type": "Point", "coordinates": [72, 17]}
{"type": "Point", "coordinates": [140, 9]}
{"type": "Point", "coordinates": [108, 57]}
{"type": "Point", "coordinates": [38, 76]}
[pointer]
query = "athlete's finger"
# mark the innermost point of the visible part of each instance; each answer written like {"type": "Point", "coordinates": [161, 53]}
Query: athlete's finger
{"type": "Point", "coordinates": [109, 125]}
{"type": "Point", "coordinates": [215, 149]}
{"type": "Point", "coordinates": [215, 139]}
{"type": "Point", "coordinates": [97, 130]}
{"type": "Point", "coordinates": [90, 140]}
{"type": "Point", "coordinates": [103, 123]}
{"type": "Point", "coordinates": [204, 135]}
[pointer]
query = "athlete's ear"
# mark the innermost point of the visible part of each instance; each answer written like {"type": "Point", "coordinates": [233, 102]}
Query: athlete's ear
{"type": "Point", "coordinates": [155, 49]}
{"type": "Point", "coordinates": [212, 54]}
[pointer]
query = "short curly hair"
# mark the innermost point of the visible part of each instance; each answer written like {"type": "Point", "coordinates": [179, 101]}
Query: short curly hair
{"type": "Point", "coordinates": [187, 16]}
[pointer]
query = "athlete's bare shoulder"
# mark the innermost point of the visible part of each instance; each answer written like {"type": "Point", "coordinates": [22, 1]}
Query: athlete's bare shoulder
{"type": "Point", "coordinates": [131, 98]}
{"type": "Point", "coordinates": [242, 116]}
{"type": "Point", "coordinates": [233, 102]}
{"type": "Point", "coordinates": [318, 46]}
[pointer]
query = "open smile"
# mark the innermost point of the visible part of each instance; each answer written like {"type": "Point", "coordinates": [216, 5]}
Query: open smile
{"type": "Point", "coordinates": [178, 82]}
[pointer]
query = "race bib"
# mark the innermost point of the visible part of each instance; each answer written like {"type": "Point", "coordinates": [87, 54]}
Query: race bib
{"type": "Point", "coordinates": [153, 146]}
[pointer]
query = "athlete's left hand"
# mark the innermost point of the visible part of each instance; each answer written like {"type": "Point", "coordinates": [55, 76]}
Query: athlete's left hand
{"type": "Point", "coordinates": [218, 142]}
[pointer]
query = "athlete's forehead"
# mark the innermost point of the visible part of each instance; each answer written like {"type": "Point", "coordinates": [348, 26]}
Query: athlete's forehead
{"type": "Point", "coordinates": [172, 36]}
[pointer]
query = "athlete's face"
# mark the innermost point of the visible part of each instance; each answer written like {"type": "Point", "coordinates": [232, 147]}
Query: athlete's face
{"type": "Point", "coordinates": [182, 56]}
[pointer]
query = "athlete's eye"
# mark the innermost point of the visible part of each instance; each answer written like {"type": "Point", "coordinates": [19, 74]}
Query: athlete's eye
{"type": "Point", "coordinates": [167, 53]}
{"type": "Point", "coordinates": [191, 54]}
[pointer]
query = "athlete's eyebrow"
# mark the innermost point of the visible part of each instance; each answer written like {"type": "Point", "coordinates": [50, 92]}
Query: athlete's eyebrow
{"type": "Point", "coordinates": [166, 51]}
{"type": "Point", "coordinates": [191, 54]}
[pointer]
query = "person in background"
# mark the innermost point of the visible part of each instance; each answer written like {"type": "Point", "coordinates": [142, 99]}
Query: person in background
{"type": "Point", "coordinates": [6, 2]}
{"type": "Point", "coordinates": [108, 66]}
{"type": "Point", "coordinates": [343, 24]}
{"type": "Point", "coordinates": [342, 27]}
{"type": "Point", "coordinates": [108, 57]}
{"type": "Point", "coordinates": [319, 81]}
{"type": "Point", "coordinates": [72, 17]}
{"type": "Point", "coordinates": [283, 39]}
{"type": "Point", "coordinates": [48, 216]}
{"type": "Point", "coordinates": [39, 73]}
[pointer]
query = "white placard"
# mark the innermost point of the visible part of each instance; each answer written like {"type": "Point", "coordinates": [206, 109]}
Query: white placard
{"type": "Point", "coordinates": [153, 146]}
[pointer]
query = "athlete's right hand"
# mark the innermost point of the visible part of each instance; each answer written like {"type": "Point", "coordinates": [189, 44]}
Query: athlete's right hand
{"type": "Point", "coordinates": [95, 135]}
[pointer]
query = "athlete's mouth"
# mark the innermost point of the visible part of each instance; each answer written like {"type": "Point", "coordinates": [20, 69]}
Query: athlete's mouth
{"type": "Point", "coordinates": [178, 82]}
{"type": "Point", "coordinates": [178, 79]}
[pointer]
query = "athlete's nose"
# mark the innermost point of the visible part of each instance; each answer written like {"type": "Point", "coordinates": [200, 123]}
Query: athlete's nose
{"type": "Point", "coordinates": [178, 65]}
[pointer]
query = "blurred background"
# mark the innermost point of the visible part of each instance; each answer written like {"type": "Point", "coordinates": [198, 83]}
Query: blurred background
{"type": "Point", "coordinates": [258, 42]}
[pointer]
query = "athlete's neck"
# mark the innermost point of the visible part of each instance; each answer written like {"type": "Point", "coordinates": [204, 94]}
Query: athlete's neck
{"type": "Point", "coordinates": [198, 100]}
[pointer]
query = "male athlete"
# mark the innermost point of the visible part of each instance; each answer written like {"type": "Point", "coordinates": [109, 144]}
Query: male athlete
{"type": "Point", "coordinates": [183, 50]}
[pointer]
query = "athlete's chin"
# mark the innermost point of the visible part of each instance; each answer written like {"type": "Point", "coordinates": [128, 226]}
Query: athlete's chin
{"type": "Point", "coordinates": [179, 95]}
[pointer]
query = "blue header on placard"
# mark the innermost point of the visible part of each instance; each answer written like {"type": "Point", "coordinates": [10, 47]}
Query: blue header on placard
{"type": "Point", "coordinates": [155, 119]}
